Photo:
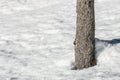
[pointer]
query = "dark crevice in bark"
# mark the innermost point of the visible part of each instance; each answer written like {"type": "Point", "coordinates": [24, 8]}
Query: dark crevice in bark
{"type": "Point", "coordinates": [90, 3]}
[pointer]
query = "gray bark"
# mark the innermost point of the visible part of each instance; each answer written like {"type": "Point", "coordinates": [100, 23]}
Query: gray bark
{"type": "Point", "coordinates": [85, 35]}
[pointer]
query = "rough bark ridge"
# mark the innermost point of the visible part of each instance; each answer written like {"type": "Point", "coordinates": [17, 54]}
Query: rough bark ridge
{"type": "Point", "coordinates": [85, 35]}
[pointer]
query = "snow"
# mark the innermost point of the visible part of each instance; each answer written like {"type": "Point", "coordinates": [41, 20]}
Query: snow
{"type": "Point", "coordinates": [36, 40]}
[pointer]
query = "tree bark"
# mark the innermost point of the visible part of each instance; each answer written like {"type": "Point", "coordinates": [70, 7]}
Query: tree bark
{"type": "Point", "coordinates": [85, 35]}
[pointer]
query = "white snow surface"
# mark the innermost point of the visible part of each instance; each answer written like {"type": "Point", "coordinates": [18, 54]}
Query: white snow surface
{"type": "Point", "coordinates": [36, 40]}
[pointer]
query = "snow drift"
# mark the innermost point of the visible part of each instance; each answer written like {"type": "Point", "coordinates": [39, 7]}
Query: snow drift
{"type": "Point", "coordinates": [36, 40]}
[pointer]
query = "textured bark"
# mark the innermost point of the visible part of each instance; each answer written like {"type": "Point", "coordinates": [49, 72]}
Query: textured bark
{"type": "Point", "coordinates": [85, 35]}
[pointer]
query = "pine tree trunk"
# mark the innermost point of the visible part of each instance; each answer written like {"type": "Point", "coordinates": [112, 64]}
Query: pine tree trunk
{"type": "Point", "coordinates": [85, 35]}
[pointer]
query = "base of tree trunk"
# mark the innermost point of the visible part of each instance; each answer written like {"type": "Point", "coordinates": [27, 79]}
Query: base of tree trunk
{"type": "Point", "coordinates": [85, 35]}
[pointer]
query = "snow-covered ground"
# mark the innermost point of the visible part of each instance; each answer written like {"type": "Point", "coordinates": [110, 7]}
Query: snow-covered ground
{"type": "Point", "coordinates": [36, 40]}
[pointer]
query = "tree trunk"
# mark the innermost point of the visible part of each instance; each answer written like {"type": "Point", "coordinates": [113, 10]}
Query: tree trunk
{"type": "Point", "coordinates": [85, 35]}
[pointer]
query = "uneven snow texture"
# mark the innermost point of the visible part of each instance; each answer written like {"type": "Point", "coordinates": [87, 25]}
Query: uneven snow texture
{"type": "Point", "coordinates": [36, 40]}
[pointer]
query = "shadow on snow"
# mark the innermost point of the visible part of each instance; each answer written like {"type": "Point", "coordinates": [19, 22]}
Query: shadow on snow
{"type": "Point", "coordinates": [102, 44]}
